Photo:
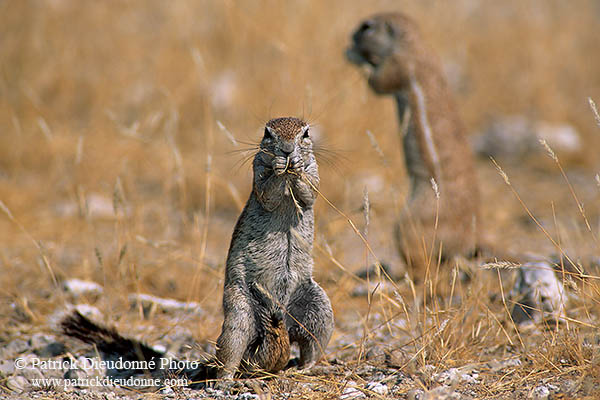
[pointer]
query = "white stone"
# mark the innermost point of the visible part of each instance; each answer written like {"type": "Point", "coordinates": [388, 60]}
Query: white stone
{"type": "Point", "coordinates": [377, 387]}
{"type": "Point", "coordinates": [541, 393]}
{"type": "Point", "coordinates": [78, 287]}
{"type": "Point", "coordinates": [539, 291]}
{"type": "Point", "coordinates": [351, 392]}
{"type": "Point", "coordinates": [165, 305]}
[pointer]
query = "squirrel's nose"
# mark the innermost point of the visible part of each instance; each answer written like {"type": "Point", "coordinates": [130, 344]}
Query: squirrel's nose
{"type": "Point", "coordinates": [287, 150]}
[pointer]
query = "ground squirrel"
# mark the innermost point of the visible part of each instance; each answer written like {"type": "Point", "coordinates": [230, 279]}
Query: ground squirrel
{"type": "Point", "coordinates": [435, 146]}
{"type": "Point", "coordinates": [270, 298]}
{"type": "Point", "coordinates": [271, 249]}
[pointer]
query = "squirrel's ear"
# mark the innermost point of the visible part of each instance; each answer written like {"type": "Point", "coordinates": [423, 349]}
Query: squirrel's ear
{"type": "Point", "coordinates": [268, 133]}
{"type": "Point", "coordinates": [305, 134]}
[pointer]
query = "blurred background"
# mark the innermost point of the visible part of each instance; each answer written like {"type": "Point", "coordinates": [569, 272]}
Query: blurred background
{"type": "Point", "coordinates": [126, 128]}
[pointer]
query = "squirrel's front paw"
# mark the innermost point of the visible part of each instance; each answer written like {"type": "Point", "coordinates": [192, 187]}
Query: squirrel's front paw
{"type": "Point", "coordinates": [279, 165]}
{"type": "Point", "coordinates": [297, 164]}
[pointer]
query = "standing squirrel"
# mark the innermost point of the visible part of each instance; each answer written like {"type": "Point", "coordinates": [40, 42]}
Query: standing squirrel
{"type": "Point", "coordinates": [435, 146]}
{"type": "Point", "coordinates": [270, 298]}
{"type": "Point", "coordinates": [271, 249]}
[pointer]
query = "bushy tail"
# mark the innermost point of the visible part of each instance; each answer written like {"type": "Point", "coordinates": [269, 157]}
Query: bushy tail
{"type": "Point", "coordinates": [112, 345]}
{"type": "Point", "coordinates": [107, 340]}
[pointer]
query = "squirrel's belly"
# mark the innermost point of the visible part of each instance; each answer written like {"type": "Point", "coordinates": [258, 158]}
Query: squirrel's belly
{"type": "Point", "coordinates": [277, 252]}
{"type": "Point", "coordinates": [280, 265]}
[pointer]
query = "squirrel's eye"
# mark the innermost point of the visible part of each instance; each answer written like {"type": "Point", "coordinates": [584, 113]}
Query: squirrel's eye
{"type": "Point", "coordinates": [392, 32]}
{"type": "Point", "coordinates": [366, 26]}
{"type": "Point", "coordinates": [305, 136]}
{"type": "Point", "coordinates": [267, 134]}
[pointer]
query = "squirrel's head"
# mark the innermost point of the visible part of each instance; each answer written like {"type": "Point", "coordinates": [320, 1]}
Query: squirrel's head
{"type": "Point", "coordinates": [286, 136]}
{"type": "Point", "coordinates": [385, 37]}
{"type": "Point", "coordinates": [379, 36]}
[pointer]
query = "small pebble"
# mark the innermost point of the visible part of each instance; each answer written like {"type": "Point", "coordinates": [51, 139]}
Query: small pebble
{"type": "Point", "coordinates": [50, 350]}
{"type": "Point", "coordinates": [541, 393]}
{"type": "Point", "coordinates": [40, 340]}
{"type": "Point", "coordinates": [17, 384]}
{"type": "Point", "coordinates": [454, 376]}
{"type": "Point", "coordinates": [351, 392]}
{"type": "Point", "coordinates": [16, 346]}
{"type": "Point", "coordinates": [32, 373]}
{"type": "Point", "coordinates": [378, 388]}
{"type": "Point", "coordinates": [149, 303]}
{"type": "Point", "coordinates": [77, 288]}
{"type": "Point", "coordinates": [444, 393]}
{"type": "Point", "coordinates": [74, 374]}
{"type": "Point", "coordinates": [89, 311]}
{"type": "Point", "coordinates": [538, 293]}
{"type": "Point", "coordinates": [415, 394]}
{"type": "Point", "coordinates": [167, 391]}
{"type": "Point", "coordinates": [497, 366]}
{"type": "Point", "coordinates": [7, 367]}
{"type": "Point", "coordinates": [248, 396]}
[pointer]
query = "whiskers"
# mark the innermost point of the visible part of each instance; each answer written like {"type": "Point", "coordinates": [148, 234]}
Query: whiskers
{"type": "Point", "coordinates": [331, 157]}
{"type": "Point", "coordinates": [245, 153]}
{"type": "Point", "coordinates": [326, 155]}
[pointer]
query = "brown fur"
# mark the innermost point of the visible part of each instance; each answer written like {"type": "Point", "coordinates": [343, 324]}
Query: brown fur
{"type": "Point", "coordinates": [434, 145]}
{"type": "Point", "coordinates": [286, 127]}
{"type": "Point", "coordinates": [271, 350]}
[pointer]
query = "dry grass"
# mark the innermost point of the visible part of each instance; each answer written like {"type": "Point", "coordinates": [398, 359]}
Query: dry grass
{"type": "Point", "coordinates": [142, 105]}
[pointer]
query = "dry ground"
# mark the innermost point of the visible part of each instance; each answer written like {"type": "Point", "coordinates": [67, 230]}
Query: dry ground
{"type": "Point", "coordinates": [117, 166]}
